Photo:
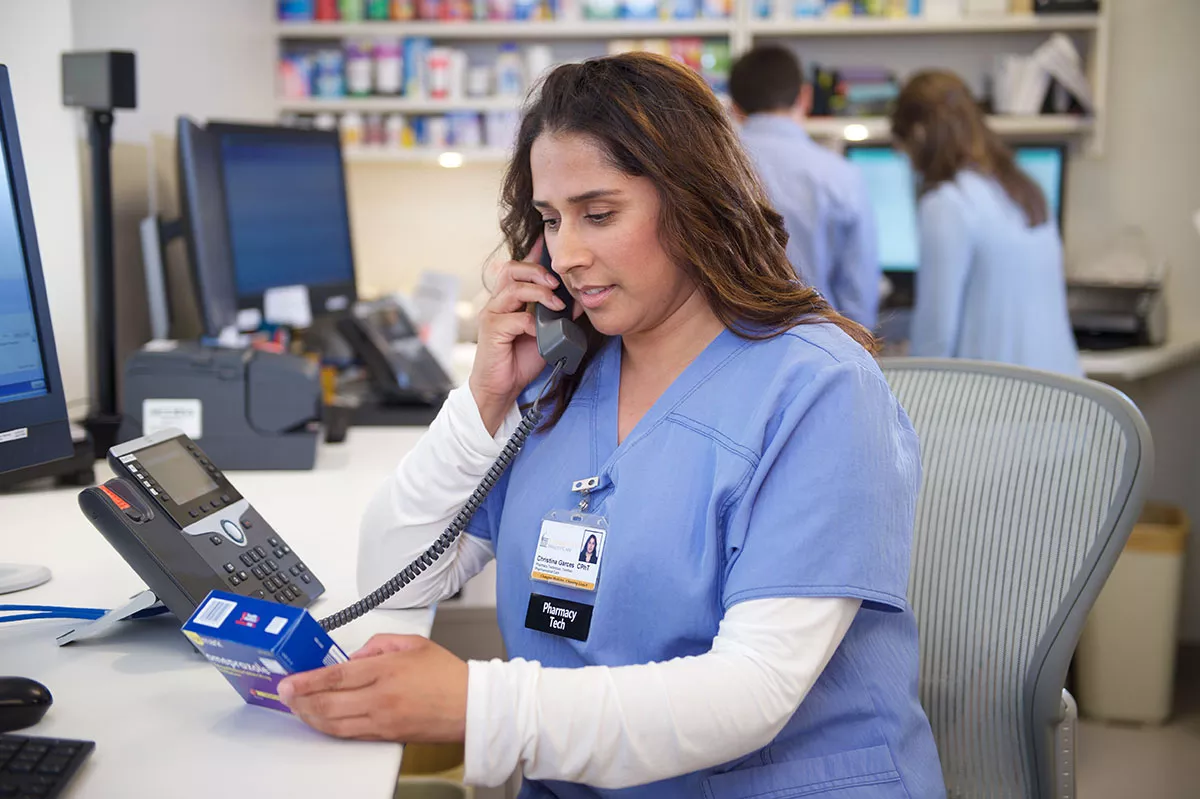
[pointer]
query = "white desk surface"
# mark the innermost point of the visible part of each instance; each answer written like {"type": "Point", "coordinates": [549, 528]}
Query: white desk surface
{"type": "Point", "coordinates": [165, 722]}
{"type": "Point", "coordinates": [1137, 363]}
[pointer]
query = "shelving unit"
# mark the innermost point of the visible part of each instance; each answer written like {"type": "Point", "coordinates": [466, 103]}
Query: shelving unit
{"type": "Point", "coordinates": [1012, 23]}
{"type": "Point", "coordinates": [876, 128]}
{"type": "Point", "coordinates": [401, 105]}
{"type": "Point", "coordinates": [850, 128]}
{"type": "Point", "coordinates": [461, 31]}
{"type": "Point", "coordinates": [422, 155]}
{"type": "Point", "coordinates": [743, 31]}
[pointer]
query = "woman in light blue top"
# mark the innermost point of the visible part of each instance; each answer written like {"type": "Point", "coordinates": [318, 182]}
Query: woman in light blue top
{"type": "Point", "coordinates": [743, 630]}
{"type": "Point", "coordinates": [990, 284]}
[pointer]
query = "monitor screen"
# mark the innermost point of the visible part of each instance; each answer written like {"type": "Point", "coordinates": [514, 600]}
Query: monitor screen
{"type": "Point", "coordinates": [285, 204]}
{"type": "Point", "coordinates": [1045, 165]}
{"type": "Point", "coordinates": [892, 187]}
{"type": "Point", "coordinates": [22, 369]}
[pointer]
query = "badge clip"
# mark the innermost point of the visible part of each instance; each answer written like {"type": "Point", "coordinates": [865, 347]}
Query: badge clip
{"type": "Point", "coordinates": [583, 488]}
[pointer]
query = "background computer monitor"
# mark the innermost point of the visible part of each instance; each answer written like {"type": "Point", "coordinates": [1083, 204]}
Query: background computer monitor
{"type": "Point", "coordinates": [202, 214]}
{"type": "Point", "coordinates": [286, 212]}
{"type": "Point", "coordinates": [33, 411]}
{"type": "Point", "coordinates": [34, 427]}
{"type": "Point", "coordinates": [892, 188]}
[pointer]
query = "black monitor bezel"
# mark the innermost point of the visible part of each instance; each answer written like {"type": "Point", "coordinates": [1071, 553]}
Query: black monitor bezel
{"type": "Point", "coordinates": [210, 265]}
{"type": "Point", "coordinates": [326, 299]}
{"type": "Point", "coordinates": [51, 407]}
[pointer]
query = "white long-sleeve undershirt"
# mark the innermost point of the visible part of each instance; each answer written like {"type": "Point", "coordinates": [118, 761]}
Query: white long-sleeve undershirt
{"type": "Point", "coordinates": [639, 723]}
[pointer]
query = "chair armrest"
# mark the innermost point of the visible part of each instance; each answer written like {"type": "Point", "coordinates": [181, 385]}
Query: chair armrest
{"type": "Point", "coordinates": [1064, 749]}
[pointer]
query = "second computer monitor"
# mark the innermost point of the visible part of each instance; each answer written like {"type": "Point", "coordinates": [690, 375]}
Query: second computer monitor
{"type": "Point", "coordinates": [202, 210]}
{"type": "Point", "coordinates": [287, 214]}
{"type": "Point", "coordinates": [892, 187]}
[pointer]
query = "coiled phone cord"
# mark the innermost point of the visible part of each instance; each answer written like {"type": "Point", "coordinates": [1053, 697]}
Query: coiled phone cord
{"type": "Point", "coordinates": [529, 422]}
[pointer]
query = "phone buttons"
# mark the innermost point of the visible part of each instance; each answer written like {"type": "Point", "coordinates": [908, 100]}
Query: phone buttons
{"type": "Point", "coordinates": [233, 532]}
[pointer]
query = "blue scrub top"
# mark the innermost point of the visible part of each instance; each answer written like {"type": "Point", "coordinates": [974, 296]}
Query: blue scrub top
{"type": "Point", "coordinates": [832, 243]}
{"type": "Point", "coordinates": [775, 468]}
{"type": "Point", "coordinates": [990, 287]}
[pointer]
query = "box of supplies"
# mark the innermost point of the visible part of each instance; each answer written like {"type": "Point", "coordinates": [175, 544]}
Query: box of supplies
{"type": "Point", "coordinates": [255, 643]}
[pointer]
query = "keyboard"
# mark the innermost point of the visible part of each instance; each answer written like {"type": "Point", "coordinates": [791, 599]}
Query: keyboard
{"type": "Point", "coordinates": [39, 768]}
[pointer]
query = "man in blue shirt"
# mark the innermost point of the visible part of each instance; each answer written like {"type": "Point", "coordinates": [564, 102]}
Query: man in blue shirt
{"type": "Point", "coordinates": [822, 197]}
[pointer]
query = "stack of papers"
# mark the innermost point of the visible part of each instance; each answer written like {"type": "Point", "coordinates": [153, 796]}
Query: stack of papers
{"type": "Point", "coordinates": [1022, 81]}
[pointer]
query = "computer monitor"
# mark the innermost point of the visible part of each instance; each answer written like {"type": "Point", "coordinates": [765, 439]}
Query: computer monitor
{"type": "Point", "coordinates": [202, 214]}
{"type": "Point", "coordinates": [892, 187]}
{"type": "Point", "coordinates": [33, 411]}
{"type": "Point", "coordinates": [286, 213]}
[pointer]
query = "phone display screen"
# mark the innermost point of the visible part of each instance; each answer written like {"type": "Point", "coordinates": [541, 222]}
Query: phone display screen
{"type": "Point", "coordinates": [176, 471]}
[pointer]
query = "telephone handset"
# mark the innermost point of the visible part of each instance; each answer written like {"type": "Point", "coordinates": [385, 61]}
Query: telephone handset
{"type": "Point", "coordinates": [183, 527]}
{"type": "Point", "coordinates": [561, 342]}
{"type": "Point", "coordinates": [558, 337]}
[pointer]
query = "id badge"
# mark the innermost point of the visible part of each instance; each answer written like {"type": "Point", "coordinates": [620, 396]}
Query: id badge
{"type": "Point", "coordinates": [570, 549]}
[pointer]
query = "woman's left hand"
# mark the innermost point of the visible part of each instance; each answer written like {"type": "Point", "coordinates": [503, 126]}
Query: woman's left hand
{"type": "Point", "coordinates": [396, 688]}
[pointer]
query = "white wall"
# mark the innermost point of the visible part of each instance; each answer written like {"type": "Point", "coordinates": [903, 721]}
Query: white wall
{"type": "Point", "coordinates": [33, 33]}
{"type": "Point", "coordinates": [208, 59]}
{"type": "Point", "coordinates": [410, 218]}
{"type": "Point", "coordinates": [1149, 174]}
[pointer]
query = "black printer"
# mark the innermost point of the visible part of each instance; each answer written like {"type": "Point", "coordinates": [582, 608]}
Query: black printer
{"type": "Point", "coordinates": [1111, 316]}
{"type": "Point", "coordinates": [248, 408]}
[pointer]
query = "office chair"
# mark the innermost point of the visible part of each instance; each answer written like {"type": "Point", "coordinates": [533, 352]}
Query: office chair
{"type": "Point", "coordinates": [1031, 485]}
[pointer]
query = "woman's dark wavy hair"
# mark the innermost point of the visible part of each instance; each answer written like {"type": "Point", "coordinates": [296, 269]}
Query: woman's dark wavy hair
{"type": "Point", "coordinates": [945, 131]}
{"type": "Point", "coordinates": [656, 118]}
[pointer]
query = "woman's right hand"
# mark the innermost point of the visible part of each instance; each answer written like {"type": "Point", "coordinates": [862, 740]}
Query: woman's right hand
{"type": "Point", "coordinates": [506, 357]}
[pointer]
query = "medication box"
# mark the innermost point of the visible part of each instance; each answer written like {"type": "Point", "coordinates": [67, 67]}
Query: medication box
{"type": "Point", "coordinates": [255, 643]}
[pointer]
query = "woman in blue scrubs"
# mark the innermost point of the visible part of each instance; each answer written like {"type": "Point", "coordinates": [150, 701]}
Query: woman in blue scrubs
{"type": "Point", "coordinates": [990, 285]}
{"type": "Point", "coordinates": [751, 484]}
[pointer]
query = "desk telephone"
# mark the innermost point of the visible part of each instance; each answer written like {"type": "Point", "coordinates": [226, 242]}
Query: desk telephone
{"type": "Point", "coordinates": [183, 527]}
{"type": "Point", "coordinates": [400, 367]}
{"type": "Point", "coordinates": [178, 521]}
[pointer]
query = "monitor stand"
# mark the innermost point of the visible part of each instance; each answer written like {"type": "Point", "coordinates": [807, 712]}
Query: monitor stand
{"type": "Point", "coordinates": [18, 577]}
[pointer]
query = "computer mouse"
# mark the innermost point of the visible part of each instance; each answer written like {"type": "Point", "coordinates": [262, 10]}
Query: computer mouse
{"type": "Point", "coordinates": [23, 702]}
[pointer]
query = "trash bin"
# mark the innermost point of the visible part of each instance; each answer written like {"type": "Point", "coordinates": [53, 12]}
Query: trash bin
{"type": "Point", "coordinates": [430, 788]}
{"type": "Point", "coordinates": [432, 771]}
{"type": "Point", "coordinates": [1125, 662]}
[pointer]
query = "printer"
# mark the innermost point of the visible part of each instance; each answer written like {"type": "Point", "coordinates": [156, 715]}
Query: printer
{"type": "Point", "coordinates": [1115, 317]}
{"type": "Point", "coordinates": [1110, 316]}
{"type": "Point", "coordinates": [1115, 295]}
{"type": "Point", "coordinates": [248, 408]}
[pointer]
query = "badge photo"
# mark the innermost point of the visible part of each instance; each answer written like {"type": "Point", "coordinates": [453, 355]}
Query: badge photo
{"type": "Point", "coordinates": [569, 553]}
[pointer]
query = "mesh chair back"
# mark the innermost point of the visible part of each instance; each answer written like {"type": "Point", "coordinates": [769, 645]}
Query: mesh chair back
{"type": "Point", "coordinates": [1031, 484]}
